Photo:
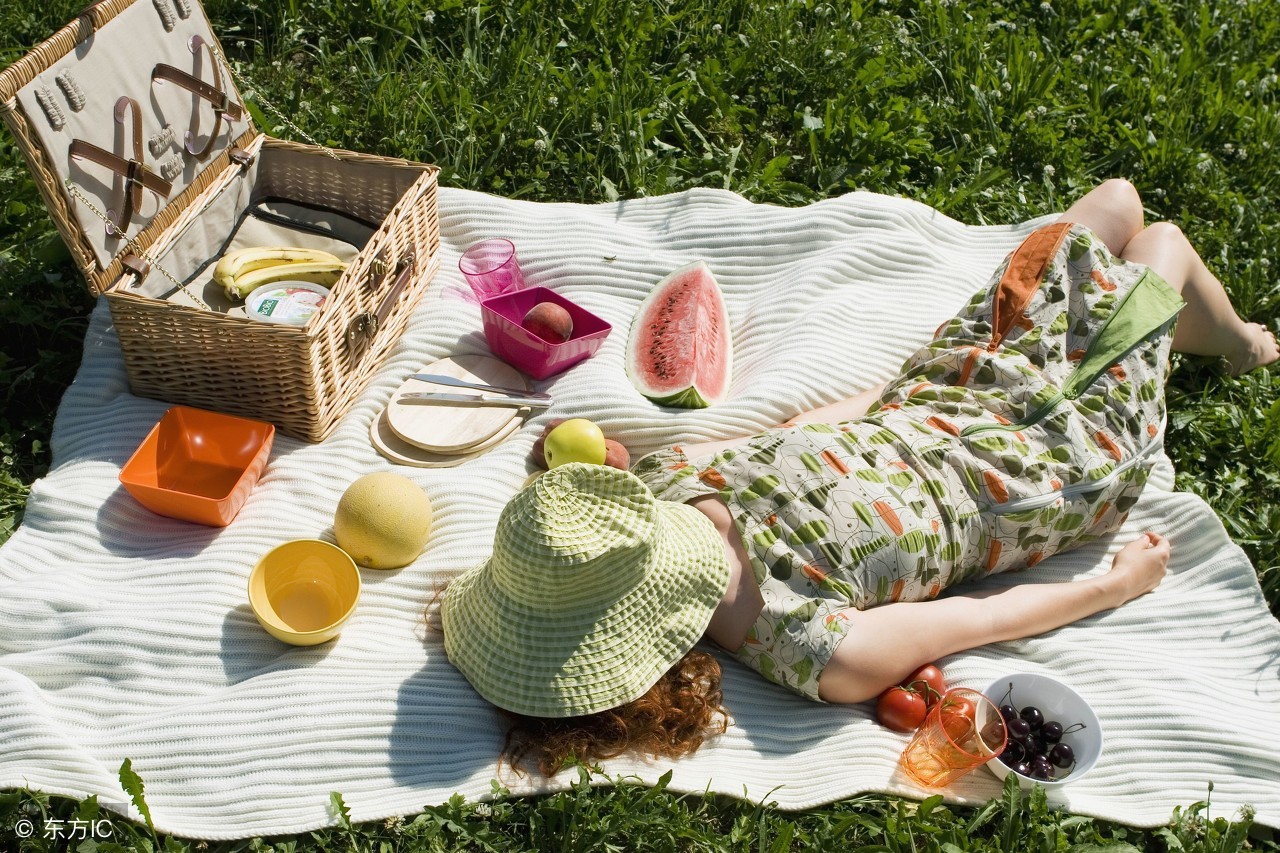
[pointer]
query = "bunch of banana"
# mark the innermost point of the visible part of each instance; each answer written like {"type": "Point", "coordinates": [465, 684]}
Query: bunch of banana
{"type": "Point", "coordinates": [241, 271]}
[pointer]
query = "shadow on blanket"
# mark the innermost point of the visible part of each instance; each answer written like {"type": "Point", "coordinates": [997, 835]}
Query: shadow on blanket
{"type": "Point", "coordinates": [440, 738]}
{"type": "Point", "coordinates": [248, 651]}
{"type": "Point", "coordinates": [120, 517]}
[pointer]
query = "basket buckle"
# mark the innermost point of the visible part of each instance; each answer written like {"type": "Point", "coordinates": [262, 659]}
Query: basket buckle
{"type": "Point", "coordinates": [365, 326]}
{"type": "Point", "coordinates": [135, 266]}
{"type": "Point", "coordinates": [361, 332]}
{"type": "Point", "coordinates": [225, 106]}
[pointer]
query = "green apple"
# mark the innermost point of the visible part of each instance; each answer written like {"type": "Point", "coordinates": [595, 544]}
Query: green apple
{"type": "Point", "coordinates": [575, 440]}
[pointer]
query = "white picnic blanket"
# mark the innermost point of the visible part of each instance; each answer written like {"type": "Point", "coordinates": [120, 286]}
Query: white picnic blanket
{"type": "Point", "coordinates": [126, 635]}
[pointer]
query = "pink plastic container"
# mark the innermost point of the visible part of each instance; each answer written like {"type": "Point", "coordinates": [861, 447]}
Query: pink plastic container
{"type": "Point", "coordinates": [529, 353]}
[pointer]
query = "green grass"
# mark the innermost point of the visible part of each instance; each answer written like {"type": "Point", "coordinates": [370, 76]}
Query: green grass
{"type": "Point", "coordinates": [990, 111]}
{"type": "Point", "coordinates": [584, 819]}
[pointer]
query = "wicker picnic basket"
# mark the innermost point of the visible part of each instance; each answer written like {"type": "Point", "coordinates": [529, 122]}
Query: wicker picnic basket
{"type": "Point", "coordinates": [145, 224]}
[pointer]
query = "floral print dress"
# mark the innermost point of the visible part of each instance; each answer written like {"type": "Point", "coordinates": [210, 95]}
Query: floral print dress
{"type": "Point", "coordinates": [1027, 427]}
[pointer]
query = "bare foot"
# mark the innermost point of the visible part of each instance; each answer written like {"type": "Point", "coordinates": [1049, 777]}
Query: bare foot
{"type": "Point", "coordinates": [1139, 566]}
{"type": "Point", "coordinates": [1257, 347]}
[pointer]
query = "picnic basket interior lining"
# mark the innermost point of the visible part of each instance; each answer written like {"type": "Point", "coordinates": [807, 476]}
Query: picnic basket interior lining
{"type": "Point", "coordinates": [105, 66]}
{"type": "Point", "coordinates": [283, 197]}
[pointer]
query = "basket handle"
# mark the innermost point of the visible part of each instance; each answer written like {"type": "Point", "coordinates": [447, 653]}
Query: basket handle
{"type": "Point", "coordinates": [364, 327]}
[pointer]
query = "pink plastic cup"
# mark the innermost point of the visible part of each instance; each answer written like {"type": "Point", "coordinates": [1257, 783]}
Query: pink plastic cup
{"type": "Point", "coordinates": [491, 268]}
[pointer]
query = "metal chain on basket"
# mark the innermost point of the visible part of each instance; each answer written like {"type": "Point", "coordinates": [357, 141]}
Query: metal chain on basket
{"type": "Point", "coordinates": [246, 83]}
{"type": "Point", "coordinates": [131, 243]}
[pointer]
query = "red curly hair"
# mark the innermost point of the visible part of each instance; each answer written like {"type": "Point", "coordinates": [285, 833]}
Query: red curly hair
{"type": "Point", "coordinates": [672, 719]}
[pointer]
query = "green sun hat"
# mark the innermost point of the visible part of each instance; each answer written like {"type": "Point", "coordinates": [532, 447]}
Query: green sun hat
{"type": "Point", "coordinates": [595, 589]}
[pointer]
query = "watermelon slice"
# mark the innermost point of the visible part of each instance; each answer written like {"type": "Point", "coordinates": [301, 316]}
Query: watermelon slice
{"type": "Point", "coordinates": [679, 352]}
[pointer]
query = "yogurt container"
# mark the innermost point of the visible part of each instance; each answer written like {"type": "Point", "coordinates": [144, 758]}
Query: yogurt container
{"type": "Point", "coordinates": [289, 303]}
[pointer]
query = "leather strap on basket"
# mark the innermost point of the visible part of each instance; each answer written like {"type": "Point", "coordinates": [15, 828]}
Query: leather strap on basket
{"type": "Point", "coordinates": [364, 328]}
{"type": "Point", "coordinates": [135, 173]}
{"type": "Point", "coordinates": [214, 94]}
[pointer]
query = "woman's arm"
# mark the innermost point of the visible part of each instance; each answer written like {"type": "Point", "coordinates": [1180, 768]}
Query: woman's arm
{"type": "Point", "coordinates": [842, 410]}
{"type": "Point", "coordinates": [886, 644]}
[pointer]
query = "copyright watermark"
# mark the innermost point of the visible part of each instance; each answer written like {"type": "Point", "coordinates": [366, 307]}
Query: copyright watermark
{"type": "Point", "coordinates": [69, 829]}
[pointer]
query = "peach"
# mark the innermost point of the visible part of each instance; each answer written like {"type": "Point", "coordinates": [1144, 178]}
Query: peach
{"type": "Point", "coordinates": [616, 455]}
{"type": "Point", "coordinates": [539, 458]}
{"type": "Point", "coordinates": [550, 322]}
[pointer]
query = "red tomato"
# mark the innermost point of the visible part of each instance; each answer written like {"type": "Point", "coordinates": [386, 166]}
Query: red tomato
{"type": "Point", "coordinates": [901, 709]}
{"type": "Point", "coordinates": [958, 717]}
{"type": "Point", "coordinates": [927, 680]}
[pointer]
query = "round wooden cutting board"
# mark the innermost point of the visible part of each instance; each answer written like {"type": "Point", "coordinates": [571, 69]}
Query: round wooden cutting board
{"type": "Point", "coordinates": [402, 452]}
{"type": "Point", "coordinates": [453, 429]}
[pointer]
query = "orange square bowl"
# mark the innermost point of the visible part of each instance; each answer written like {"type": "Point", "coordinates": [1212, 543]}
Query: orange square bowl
{"type": "Point", "coordinates": [198, 466]}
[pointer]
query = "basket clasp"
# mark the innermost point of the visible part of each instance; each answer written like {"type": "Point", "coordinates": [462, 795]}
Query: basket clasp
{"type": "Point", "coordinates": [364, 327]}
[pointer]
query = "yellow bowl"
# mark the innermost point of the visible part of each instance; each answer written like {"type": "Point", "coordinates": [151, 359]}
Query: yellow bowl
{"type": "Point", "coordinates": [304, 591]}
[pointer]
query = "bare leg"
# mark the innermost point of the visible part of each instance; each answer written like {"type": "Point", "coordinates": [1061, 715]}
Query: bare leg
{"type": "Point", "coordinates": [1112, 210]}
{"type": "Point", "coordinates": [886, 644]}
{"type": "Point", "coordinates": [1209, 324]}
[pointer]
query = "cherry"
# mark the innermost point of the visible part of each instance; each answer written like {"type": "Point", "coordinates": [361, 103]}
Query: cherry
{"type": "Point", "coordinates": [1032, 715]}
{"type": "Point", "coordinates": [1022, 768]}
{"type": "Point", "coordinates": [1018, 728]}
{"type": "Point", "coordinates": [1041, 768]}
{"type": "Point", "coordinates": [1008, 712]}
{"type": "Point", "coordinates": [1051, 731]}
{"type": "Point", "coordinates": [1062, 755]}
{"type": "Point", "coordinates": [1013, 753]}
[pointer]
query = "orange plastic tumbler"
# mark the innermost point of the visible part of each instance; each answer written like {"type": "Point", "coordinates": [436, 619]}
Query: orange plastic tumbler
{"type": "Point", "coordinates": [963, 731]}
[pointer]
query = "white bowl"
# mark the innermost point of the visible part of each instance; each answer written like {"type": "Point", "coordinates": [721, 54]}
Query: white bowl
{"type": "Point", "coordinates": [1058, 702]}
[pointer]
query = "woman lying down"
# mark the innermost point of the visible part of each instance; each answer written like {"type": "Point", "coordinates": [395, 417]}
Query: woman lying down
{"type": "Point", "coordinates": [816, 551]}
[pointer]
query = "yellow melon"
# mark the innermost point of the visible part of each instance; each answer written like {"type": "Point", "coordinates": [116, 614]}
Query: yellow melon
{"type": "Point", "coordinates": [383, 521]}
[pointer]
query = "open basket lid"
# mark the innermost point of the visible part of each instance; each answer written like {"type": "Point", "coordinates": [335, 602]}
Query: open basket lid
{"type": "Point", "coordinates": [134, 104]}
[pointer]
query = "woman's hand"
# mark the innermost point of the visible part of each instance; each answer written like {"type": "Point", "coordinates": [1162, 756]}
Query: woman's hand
{"type": "Point", "coordinates": [1139, 567]}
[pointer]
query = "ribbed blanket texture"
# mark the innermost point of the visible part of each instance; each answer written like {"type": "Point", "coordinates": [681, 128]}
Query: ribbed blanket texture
{"type": "Point", "coordinates": [126, 635]}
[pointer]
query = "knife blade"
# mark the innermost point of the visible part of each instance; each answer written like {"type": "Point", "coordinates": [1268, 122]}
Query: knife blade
{"type": "Point", "coordinates": [440, 398]}
{"type": "Point", "coordinates": [476, 386]}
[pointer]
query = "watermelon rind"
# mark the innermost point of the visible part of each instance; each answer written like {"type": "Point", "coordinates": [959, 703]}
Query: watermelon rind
{"type": "Point", "coordinates": [689, 398]}
{"type": "Point", "coordinates": [693, 396]}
